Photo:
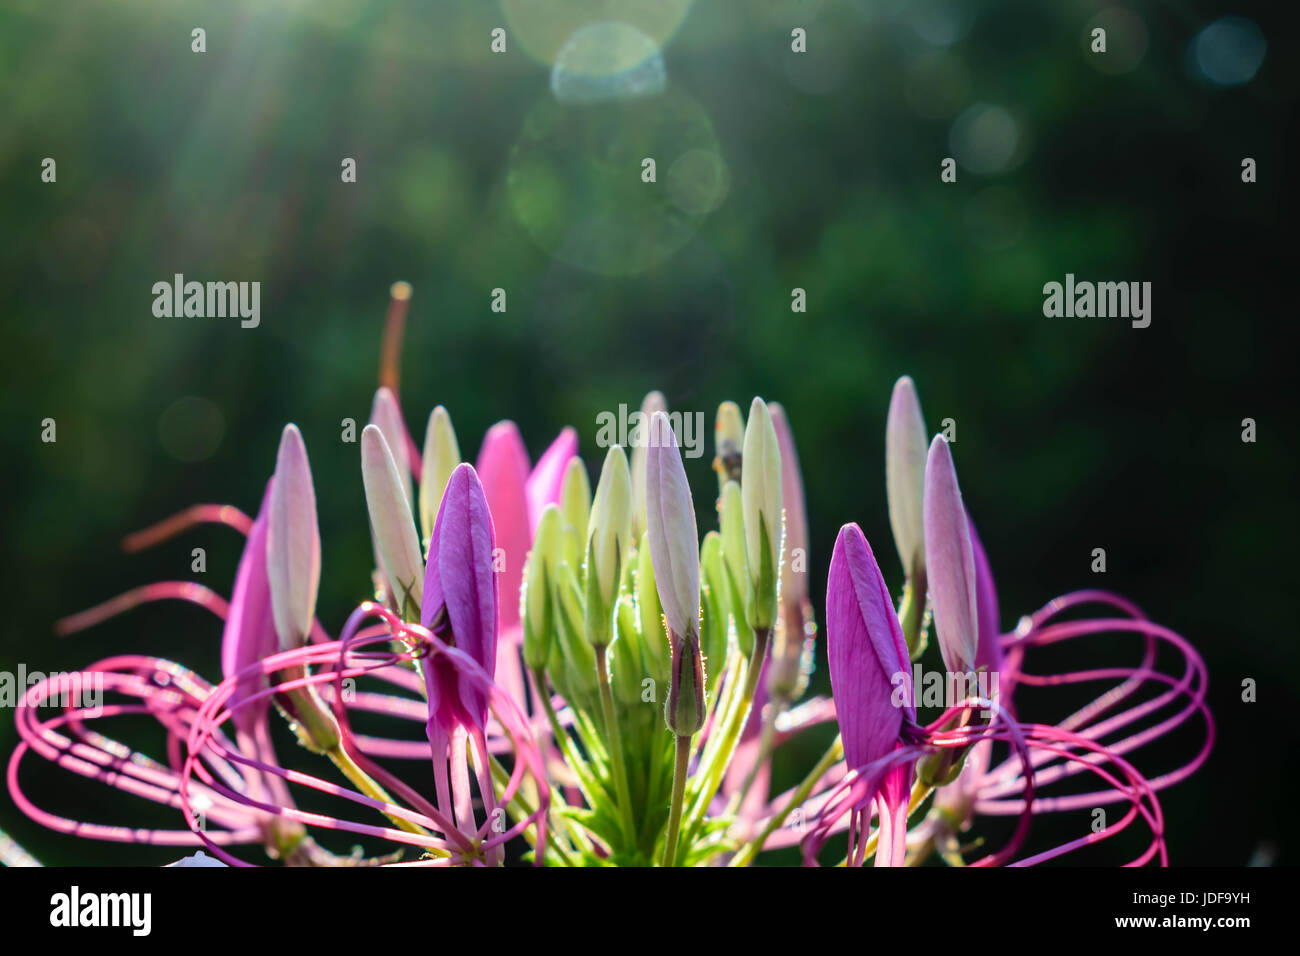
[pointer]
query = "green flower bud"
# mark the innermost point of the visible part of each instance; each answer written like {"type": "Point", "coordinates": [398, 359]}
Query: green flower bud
{"type": "Point", "coordinates": [575, 505]}
{"type": "Point", "coordinates": [392, 524]}
{"type": "Point", "coordinates": [735, 564]}
{"type": "Point", "coordinates": [535, 599]}
{"type": "Point", "coordinates": [764, 525]}
{"type": "Point", "coordinates": [626, 666]}
{"type": "Point", "coordinates": [609, 535]}
{"type": "Point", "coordinates": [386, 414]}
{"type": "Point", "coordinates": [573, 662]}
{"type": "Point", "coordinates": [293, 542]}
{"type": "Point", "coordinates": [441, 456]}
{"type": "Point", "coordinates": [715, 600]}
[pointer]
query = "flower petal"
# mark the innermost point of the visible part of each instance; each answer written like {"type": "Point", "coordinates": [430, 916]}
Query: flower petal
{"type": "Point", "coordinates": [502, 469]}
{"type": "Point", "coordinates": [249, 632]}
{"type": "Point", "coordinates": [989, 648]}
{"type": "Point", "coordinates": [547, 478]}
{"type": "Point", "coordinates": [653, 402]}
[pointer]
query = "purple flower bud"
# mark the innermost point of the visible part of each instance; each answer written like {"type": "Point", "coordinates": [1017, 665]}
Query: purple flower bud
{"type": "Point", "coordinates": [871, 678]}
{"type": "Point", "coordinates": [950, 561]}
{"type": "Point", "coordinates": [249, 632]}
{"type": "Point", "coordinates": [460, 598]}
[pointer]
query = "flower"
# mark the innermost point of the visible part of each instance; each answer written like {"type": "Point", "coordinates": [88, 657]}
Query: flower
{"type": "Point", "coordinates": [868, 663]}
{"type": "Point", "coordinates": [572, 767]}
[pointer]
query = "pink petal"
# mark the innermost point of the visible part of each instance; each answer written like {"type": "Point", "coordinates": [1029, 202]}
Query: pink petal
{"type": "Point", "coordinates": [544, 484]}
{"type": "Point", "coordinates": [249, 633]}
{"type": "Point", "coordinates": [503, 471]}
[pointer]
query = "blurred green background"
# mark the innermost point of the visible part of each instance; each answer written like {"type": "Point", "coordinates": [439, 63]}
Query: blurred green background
{"type": "Point", "coordinates": [775, 170]}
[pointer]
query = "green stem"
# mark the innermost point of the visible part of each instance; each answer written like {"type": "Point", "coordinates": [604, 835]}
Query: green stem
{"type": "Point", "coordinates": [717, 768]}
{"type": "Point", "coordinates": [657, 763]}
{"type": "Point", "coordinates": [364, 783]}
{"type": "Point", "coordinates": [586, 783]}
{"type": "Point", "coordinates": [618, 765]}
{"type": "Point", "coordinates": [679, 795]}
{"type": "Point", "coordinates": [721, 708]}
{"type": "Point", "coordinates": [520, 808]}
